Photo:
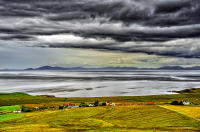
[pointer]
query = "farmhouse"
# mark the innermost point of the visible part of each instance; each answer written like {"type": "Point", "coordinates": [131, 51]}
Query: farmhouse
{"type": "Point", "coordinates": [186, 102]}
{"type": "Point", "coordinates": [91, 105]}
{"type": "Point", "coordinates": [73, 106]}
{"type": "Point", "coordinates": [17, 111]}
{"type": "Point", "coordinates": [150, 103]}
{"type": "Point", "coordinates": [70, 105]}
{"type": "Point", "coordinates": [109, 103]}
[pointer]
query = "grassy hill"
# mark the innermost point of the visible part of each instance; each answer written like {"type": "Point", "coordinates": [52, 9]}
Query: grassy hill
{"type": "Point", "coordinates": [7, 99]}
{"type": "Point", "coordinates": [22, 98]}
{"type": "Point", "coordinates": [108, 118]}
{"type": "Point", "coordinates": [130, 114]}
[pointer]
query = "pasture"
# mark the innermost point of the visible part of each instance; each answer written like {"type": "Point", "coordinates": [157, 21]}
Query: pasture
{"type": "Point", "coordinates": [108, 118]}
{"type": "Point", "coordinates": [131, 113]}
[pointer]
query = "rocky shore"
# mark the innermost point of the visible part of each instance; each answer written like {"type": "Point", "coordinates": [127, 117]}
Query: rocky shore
{"type": "Point", "coordinates": [190, 90]}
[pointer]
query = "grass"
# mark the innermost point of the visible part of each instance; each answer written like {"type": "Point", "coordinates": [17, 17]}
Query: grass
{"type": "Point", "coordinates": [119, 118]}
{"type": "Point", "coordinates": [16, 94]}
{"type": "Point", "coordinates": [22, 98]}
{"type": "Point", "coordinates": [9, 108]}
{"type": "Point", "coordinates": [193, 97]}
{"type": "Point", "coordinates": [6, 113]}
{"type": "Point", "coordinates": [32, 128]}
{"type": "Point", "coordinates": [131, 115]}
{"type": "Point", "coordinates": [191, 111]}
{"type": "Point", "coordinates": [6, 117]}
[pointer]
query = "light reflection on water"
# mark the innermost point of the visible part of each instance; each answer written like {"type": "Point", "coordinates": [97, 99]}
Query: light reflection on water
{"type": "Point", "coordinates": [93, 83]}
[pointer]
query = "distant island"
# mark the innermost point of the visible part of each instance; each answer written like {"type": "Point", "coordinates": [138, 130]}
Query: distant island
{"type": "Point", "coordinates": [113, 68]}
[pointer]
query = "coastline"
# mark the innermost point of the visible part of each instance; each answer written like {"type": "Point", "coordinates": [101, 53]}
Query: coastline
{"type": "Point", "coordinates": [23, 98]}
{"type": "Point", "coordinates": [189, 90]}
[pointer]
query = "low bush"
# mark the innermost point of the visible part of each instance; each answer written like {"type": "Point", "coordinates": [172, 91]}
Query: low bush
{"type": "Point", "coordinates": [177, 103]}
{"type": "Point", "coordinates": [103, 104]}
{"type": "Point", "coordinates": [83, 104]}
{"type": "Point", "coordinates": [25, 109]}
{"type": "Point", "coordinates": [96, 103]}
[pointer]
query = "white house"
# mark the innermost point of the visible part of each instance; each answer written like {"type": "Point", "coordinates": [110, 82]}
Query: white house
{"type": "Point", "coordinates": [91, 105]}
{"type": "Point", "coordinates": [17, 111]}
{"type": "Point", "coordinates": [73, 106]}
{"type": "Point", "coordinates": [186, 102]}
{"type": "Point", "coordinates": [112, 104]}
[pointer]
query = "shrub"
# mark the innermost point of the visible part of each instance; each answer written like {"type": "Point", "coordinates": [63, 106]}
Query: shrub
{"type": "Point", "coordinates": [25, 109]}
{"type": "Point", "coordinates": [177, 103]}
{"type": "Point", "coordinates": [83, 104]}
{"type": "Point", "coordinates": [103, 104]}
{"type": "Point", "coordinates": [61, 107]}
{"type": "Point", "coordinates": [96, 103]}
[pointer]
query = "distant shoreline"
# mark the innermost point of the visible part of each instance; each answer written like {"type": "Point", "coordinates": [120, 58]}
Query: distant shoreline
{"type": "Point", "coordinates": [184, 91]}
{"type": "Point", "coordinates": [188, 90]}
{"type": "Point", "coordinates": [43, 68]}
{"type": "Point", "coordinates": [16, 98]}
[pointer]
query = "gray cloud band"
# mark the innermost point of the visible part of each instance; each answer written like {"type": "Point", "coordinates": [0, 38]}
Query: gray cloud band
{"type": "Point", "coordinates": [163, 27]}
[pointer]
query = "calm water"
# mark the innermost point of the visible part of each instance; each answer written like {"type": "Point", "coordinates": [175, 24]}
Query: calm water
{"type": "Point", "coordinates": [94, 83]}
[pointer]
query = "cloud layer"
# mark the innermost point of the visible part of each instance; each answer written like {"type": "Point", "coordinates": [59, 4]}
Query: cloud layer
{"type": "Point", "coordinates": [162, 27]}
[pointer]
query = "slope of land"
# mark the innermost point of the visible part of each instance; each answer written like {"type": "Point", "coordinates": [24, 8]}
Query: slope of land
{"type": "Point", "coordinates": [142, 113]}
{"type": "Point", "coordinates": [134, 117]}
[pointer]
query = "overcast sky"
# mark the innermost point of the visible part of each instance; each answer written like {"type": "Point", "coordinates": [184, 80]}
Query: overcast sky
{"type": "Point", "coordinates": [99, 33]}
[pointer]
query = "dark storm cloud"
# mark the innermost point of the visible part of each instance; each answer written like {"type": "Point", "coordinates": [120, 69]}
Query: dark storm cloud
{"type": "Point", "coordinates": [164, 27]}
{"type": "Point", "coordinates": [172, 6]}
{"type": "Point", "coordinates": [17, 37]}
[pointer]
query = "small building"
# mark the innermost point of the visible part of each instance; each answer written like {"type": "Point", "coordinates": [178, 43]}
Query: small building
{"type": "Point", "coordinates": [17, 111]}
{"type": "Point", "coordinates": [112, 104]}
{"type": "Point", "coordinates": [150, 103]}
{"type": "Point", "coordinates": [73, 106]}
{"type": "Point", "coordinates": [36, 108]}
{"type": "Point", "coordinates": [109, 103]}
{"type": "Point", "coordinates": [70, 105]}
{"type": "Point", "coordinates": [187, 103]}
{"type": "Point", "coordinates": [91, 105]}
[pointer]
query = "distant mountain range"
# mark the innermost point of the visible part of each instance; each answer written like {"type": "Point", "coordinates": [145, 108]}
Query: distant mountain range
{"type": "Point", "coordinates": [82, 68]}
{"type": "Point", "coordinates": [114, 68]}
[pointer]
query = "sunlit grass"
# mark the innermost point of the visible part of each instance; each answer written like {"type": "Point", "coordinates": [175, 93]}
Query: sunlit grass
{"type": "Point", "coordinates": [192, 111]}
{"type": "Point", "coordinates": [132, 118]}
{"type": "Point", "coordinates": [129, 114]}
{"type": "Point", "coordinates": [9, 108]}
{"type": "Point", "coordinates": [6, 117]}
{"type": "Point", "coordinates": [21, 98]}
{"type": "Point", "coordinates": [32, 128]}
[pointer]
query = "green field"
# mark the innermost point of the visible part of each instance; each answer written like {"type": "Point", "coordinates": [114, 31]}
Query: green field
{"type": "Point", "coordinates": [134, 117]}
{"type": "Point", "coordinates": [9, 108]}
{"type": "Point", "coordinates": [152, 98]}
{"type": "Point", "coordinates": [130, 114]}
{"type": "Point", "coordinates": [6, 117]}
{"type": "Point", "coordinates": [6, 113]}
{"type": "Point", "coordinates": [22, 98]}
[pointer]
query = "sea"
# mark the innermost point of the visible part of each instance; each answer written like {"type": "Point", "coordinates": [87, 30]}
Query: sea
{"type": "Point", "coordinates": [98, 83]}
